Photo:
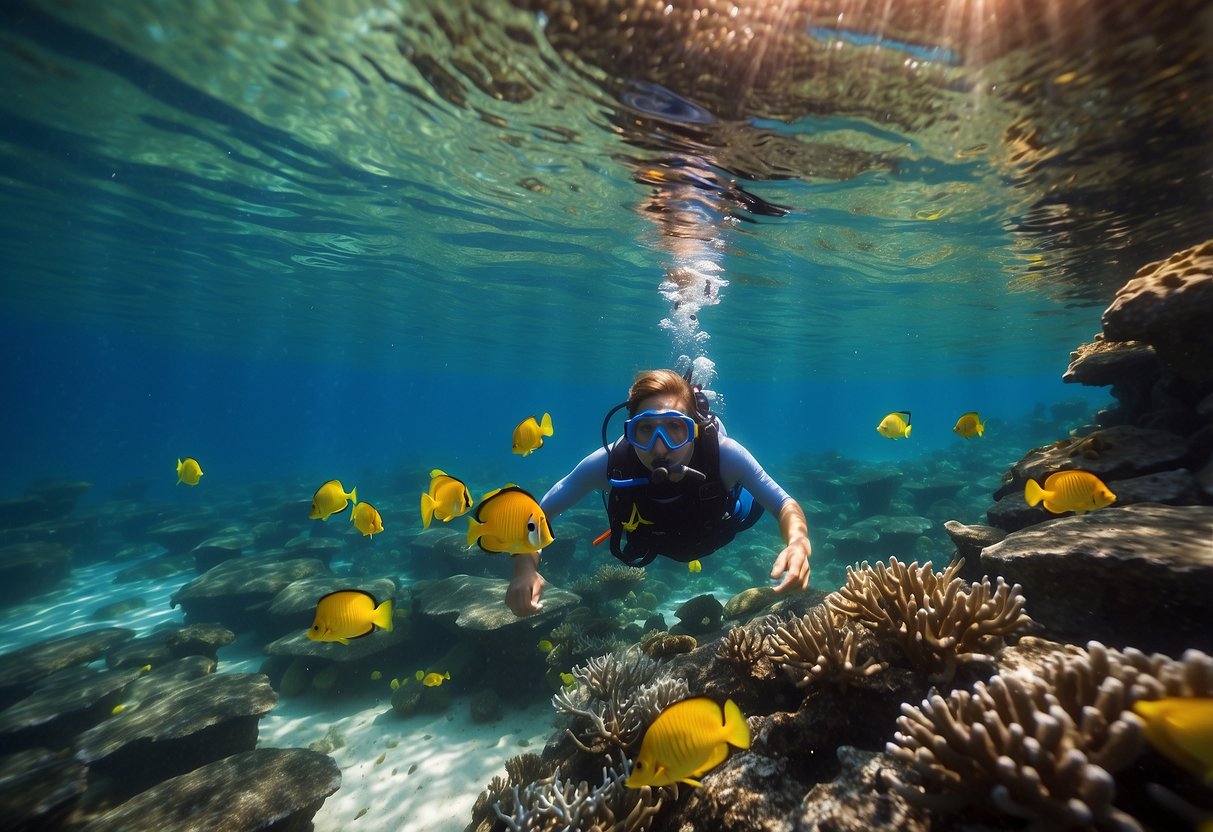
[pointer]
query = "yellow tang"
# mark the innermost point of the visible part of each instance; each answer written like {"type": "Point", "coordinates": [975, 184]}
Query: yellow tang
{"type": "Point", "coordinates": [447, 498]}
{"type": "Point", "coordinates": [969, 425]}
{"type": "Point", "coordinates": [347, 614]}
{"type": "Point", "coordinates": [509, 520]}
{"type": "Point", "coordinates": [1076, 491]}
{"type": "Point", "coordinates": [896, 425]}
{"type": "Point", "coordinates": [432, 680]}
{"type": "Point", "coordinates": [394, 684]}
{"type": "Point", "coordinates": [1181, 728]}
{"type": "Point", "coordinates": [694, 566]}
{"type": "Point", "coordinates": [528, 436]}
{"type": "Point", "coordinates": [366, 519]}
{"type": "Point", "coordinates": [189, 471]}
{"type": "Point", "coordinates": [545, 646]}
{"type": "Point", "coordinates": [568, 680]}
{"type": "Point", "coordinates": [331, 498]}
{"type": "Point", "coordinates": [688, 739]}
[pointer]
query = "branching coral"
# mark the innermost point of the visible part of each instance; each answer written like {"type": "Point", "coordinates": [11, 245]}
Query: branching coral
{"type": "Point", "coordinates": [742, 647]}
{"type": "Point", "coordinates": [818, 646]}
{"type": "Point", "coordinates": [615, 699]}
{"type": "Point", "coordinates": [938, 620]}
{"type": "Point", "coordinates": [1042, 747]}
{"type": "Point", "coordinates": [502, 791]}
{"type": "Point", "coordinates": [552, 804]}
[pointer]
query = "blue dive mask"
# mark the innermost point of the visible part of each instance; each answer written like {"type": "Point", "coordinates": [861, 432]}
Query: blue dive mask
{"type": "Point", "coordinates": [675, 429]}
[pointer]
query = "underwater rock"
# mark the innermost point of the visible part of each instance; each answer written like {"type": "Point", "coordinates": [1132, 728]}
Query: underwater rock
{"type": "Point", "coordinates": [1173, 488]}
{"type": "Point", "coordinates": [297, 600]}
{"type": "Point", "coordinates": [298, 644]}
{"type": "Point", "coordinates": [433, 553]}
{"type": "Point", "coordinates": [121, 607]}
{"type": "Point", "coordinates": [970, 540]}
{"type": "Point", "coordinates": [269, 788]}
{"type": "Point", "coordinates": [45, 502]}
{"type": "Point", "coordinates": [215, 550]}
{"type": "Point", "coordinates": [854, 543]}
{"type": "Point", "coordinates": [198, 640]}
{"type": "Point", "coordinates": [320, 548]}
{"type": "Point", "coordinates": [154, 568]}
{"type": "Point", "coordinates": [227, 592]}
{"type": "Point", "coordinates": [199, 722]}
{"type": "Point", "coordinates": [856, 800]}
{"type": "Point", "coordinates": [1091, 576]}
{"type": "Point", "coordinates": [22, 670]}
{"type": "Point", "coordinates": [701, 614]}
{"type": "Point", "coordinates": [465, 602]}
{"type": "Point", "coordinates": [68, 704]}
{"type": "Point", "coordinates": [1102, 363]}
{"type": "Point", "coordinates": [486, 707]}
{"type": "Point", "coordinates": [39, 789]}
{"type": "Point", "coordinates": [30, 569]}
{"type": "Point", "coordinates": [406, 699]}
{"type": "Point", "coordinates": [664, 645]}
{"type": "Point", "coordinates": [749, 601]}
{"type": "Point", "coordinates": [1169, 304]}
{"type": "Point", "coordinates": [271, 534]}
{"type": "Point", "coordinates": [181, 536]}
{"type": "Point", "coordinates": [875, 489]}
{"type": "Point", "coordinates": [924, 494]}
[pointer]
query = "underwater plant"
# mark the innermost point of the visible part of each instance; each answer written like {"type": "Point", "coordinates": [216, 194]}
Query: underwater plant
{"type": "Point", "coordinates": [550, 804]}
{"type": "Point", "coordinates": [938, 620]}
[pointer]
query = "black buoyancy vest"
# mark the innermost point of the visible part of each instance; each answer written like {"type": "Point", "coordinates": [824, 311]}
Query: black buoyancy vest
{"type": "Point", "coordinates": [683, 521]}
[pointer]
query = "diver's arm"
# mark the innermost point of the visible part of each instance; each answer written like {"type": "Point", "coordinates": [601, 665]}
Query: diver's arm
{"type": "Point", "coordinates": [738, 465]}
{"type": "Point", "coordinates": [525, 592]}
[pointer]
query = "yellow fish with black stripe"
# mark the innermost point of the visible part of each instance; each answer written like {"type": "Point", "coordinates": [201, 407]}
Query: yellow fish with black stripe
{"type": "Point", "coordinates": [447, 498]}
{"type": "Point", "coordinates": [347, 614]}
{"type": "Point", "coordinates": [528, 436]}
{"type": "Point", "coordinates": [509, 520]}
{"type": "Point", "coordinates": [969, 425]}
{"type": "Point", "coordinates": [1076, 491]}
{"type": "Point", "coordinates": [686, 741]}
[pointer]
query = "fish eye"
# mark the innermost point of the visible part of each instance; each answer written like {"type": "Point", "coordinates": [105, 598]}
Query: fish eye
{"type": "Point", "coordinates": [530, 526]}
{"type": "Point", "coordinates": [639, 765]}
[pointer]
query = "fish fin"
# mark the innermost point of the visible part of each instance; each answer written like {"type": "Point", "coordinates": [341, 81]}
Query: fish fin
{"type": "Point", "coordinates": [715, 758]}
{"type": "Point", "coordinates": [473, 531]}
{"type": "Point", "coordinates": [437, 472]}
{"type": "Point", "coordinates": [908, 429]}
{"type": "Point", "coordinates": [546, 426]}
{"type": "Point", "coordinates": [353, 495]}
{"type": "Point", "coordinates": [383, 616]}
{"type": "Point", "coordinates": [344, 640]}
{"type": "Point", "coordinates": [427, 510]}
{"type": "Point", "coordinates": [981, 429]}
{"type": "Point", "coordinates": [1033, 493]}
{"type": "Point", "coordinates": [689, 782]}
{"type": "Point", "coordinates": [736, 731]}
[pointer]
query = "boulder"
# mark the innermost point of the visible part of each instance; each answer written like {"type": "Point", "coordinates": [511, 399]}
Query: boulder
{"type": "Point", "coordinates": [320, 548]}
{"type": "Point", "coordinates": [181, 536]}
{"type": "Point", "coordinates": [749, 601]}
{"type": "Point", "coordinates": [1093, 576]}
{"type": "Point", "coordinates": [269, 788]}
{"type": "Point", "coordinates": [215, 550]}
{"type": "Point", "coordinates": [22, 670]}
{"type": "Point", "coordinates": [875, 489]}
{"type": "Point", "coordinates": [172, 642]}
{"type": "Point", "coordinates": [970, 540]}
{"type": "Point", "coordinates": [1131, 364]}
{"type": "Point", "coordinates": [188, 726]}
{"type": "Point", "coordinates": [464, 602]}
{"type": "Point", "coordinates": [39, 789]}
{"type": "Point", "coordinates": [160, 566]}
{"type": "Point", "coordinates": [230, 592]}
{"type": "Point", "coordinates": [69, 703]}
{"type": "Point", "coordinates": [31, 569]}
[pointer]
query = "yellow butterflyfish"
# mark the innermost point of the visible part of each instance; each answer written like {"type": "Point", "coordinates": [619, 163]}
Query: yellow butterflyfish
{"type": "Point", "coordinates": [347, 614]}
{"type": "Point", "coordinates": [1076, 491]}
{"type": "Point", "coordinates": [447, 498]}
{"type": "Point", "coordinates": [509, 520]}
{"type": "Point", "coordinates": [687, 740]}
{"type": "Point", "coordinates": [528, 436]}
{"type": "Point", "coordinates": [896, 425]}
{"type": "Point", "coordinates": [969, 425]}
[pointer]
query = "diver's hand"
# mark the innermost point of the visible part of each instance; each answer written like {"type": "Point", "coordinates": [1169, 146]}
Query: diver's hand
{"type": "Point", "coordinates": [526, 587]}
{"type": "Point", "coordinates": [793, 565]}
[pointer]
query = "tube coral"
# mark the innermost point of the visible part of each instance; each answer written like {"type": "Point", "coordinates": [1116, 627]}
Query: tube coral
{"type": "Point", "coordinates": [820, 646]}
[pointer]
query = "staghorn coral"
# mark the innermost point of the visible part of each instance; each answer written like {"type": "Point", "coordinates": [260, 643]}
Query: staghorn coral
{"type": "Point", "coordinates": [742, 647]}
{"type": "Point", "coordinates": [938, 620]}
{"type": "Point", "coordinates": [502, 791]}
{"type": "Point", "coordinates": [819, 646]}
{"type": "Point", "coordinates": [1042, 747]}
{"type": "Point", "coordinates": [552, 804]}
{"type": "Point", "coordinates": [616, 698]}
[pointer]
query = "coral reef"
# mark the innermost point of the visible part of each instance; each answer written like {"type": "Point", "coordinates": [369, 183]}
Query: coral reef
{"type": "Point", "coordinates": [551, 803]}
{"type": "Point", "coordinates": [938, 620]}
{"type": "Point", "coordinates": [663, 645]}
{"type": "Point", "coordinates": [819, 646]}
{"type": "Point", "coordinates": [742, 647]}
{"type": "Point", "coordinates": [1045, 746]}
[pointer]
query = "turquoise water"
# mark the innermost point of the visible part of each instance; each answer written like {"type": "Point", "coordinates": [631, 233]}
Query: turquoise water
{"type": "Point", "coordinates": [303, 241]}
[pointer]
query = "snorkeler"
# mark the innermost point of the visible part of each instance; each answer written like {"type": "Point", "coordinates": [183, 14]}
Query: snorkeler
{"type": "Point", "coordinates": [678, 488]}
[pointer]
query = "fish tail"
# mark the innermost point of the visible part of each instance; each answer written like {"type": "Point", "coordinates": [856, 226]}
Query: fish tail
{"type": "Point", "coordinates": [1033, 493]}
{"type": "Point", "coordinates": [545, 427]}
{"type": "Point", "coordinates": [382, 617]}
{"type": "Point", "coordinates": [473, 532]}
{"type": "Point", "coordinates": [427, 510]}
{"type": "Point", "coordinates": [908, 429]}
{"type": "Point", "coordinates": [981, 428]}
{"type": "Point", "coordinates": [736, 732]}
{"type": "Point", "coordinates": [353, 495]}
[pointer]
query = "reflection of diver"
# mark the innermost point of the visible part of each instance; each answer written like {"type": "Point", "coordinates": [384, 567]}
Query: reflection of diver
{"type": "Point", "coordinates": [677, 486]}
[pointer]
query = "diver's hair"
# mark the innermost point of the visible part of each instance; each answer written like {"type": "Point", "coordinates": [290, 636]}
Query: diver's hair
{"type": "Point", "coordinates": [661, 383]}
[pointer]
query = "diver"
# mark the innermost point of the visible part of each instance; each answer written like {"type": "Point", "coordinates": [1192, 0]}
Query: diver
{"type": "Point", "coordinates": [676, 486]}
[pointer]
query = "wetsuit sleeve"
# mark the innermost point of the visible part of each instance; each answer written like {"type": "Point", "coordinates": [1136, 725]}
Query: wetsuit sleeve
{"type": "Point", "coordinates": [589, 475]}
{"type": "Point", "coordinates": [737, 465]}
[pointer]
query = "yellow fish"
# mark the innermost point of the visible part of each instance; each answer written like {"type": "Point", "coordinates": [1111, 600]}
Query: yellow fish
{"type": "Point", "coordinates": [896, 425]}
{"type": "Point", "coordinates": [376, 675]}
{"type": "Point", "coordinates": [394, 684]}
{"type": "Point", "coordinates": [528, 436]}
{"type": "Point", "coordinates": [509, 520]}
{"type": "Point", "coordinates": [447, 498]}
{"type": "Point", "coordinates": [969, 425]}
{"type": "Point", "coordinates": [567, 680]}
{"type": "Point", "coordinates": [545, 646]}
{"type": "Point", "coordinates": [347, 614]}
{"type": "Point", "coordinates": [432, 680]}
{"type": "Point", "coordinates": [366, 519]}
{"type": "Point", "coordinates": [188, 471]}
{"type": "Point", "coordinates": [330, 499]}
{"type": "Point", "coordinates": [1076, 491]}
{"type": "Point", "coordinates": [118, 709]}
{"type": "Point", "coordinates": [1181, 728]}
{"type": "Point", "coordinates": [688, 739]}
{"type": "Point", "coordinates": [694, 566]}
